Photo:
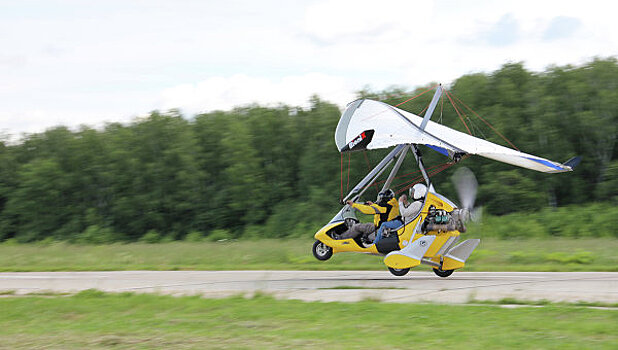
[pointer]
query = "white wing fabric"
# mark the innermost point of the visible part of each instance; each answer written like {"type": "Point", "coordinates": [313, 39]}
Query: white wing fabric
{"type": "Point", "coordinates": [368, 124]}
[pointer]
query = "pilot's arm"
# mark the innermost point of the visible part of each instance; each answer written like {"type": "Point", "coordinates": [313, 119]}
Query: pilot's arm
{"type": "Point", "coordinates": [369, 209]}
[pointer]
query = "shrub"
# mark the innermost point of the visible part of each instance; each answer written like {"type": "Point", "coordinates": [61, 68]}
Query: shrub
{"type": "Point", "coordinates": [94, 234]}
{"type": "Point", "coordinates": [47, 241]}
{"type": "Point", "coordinates": [253, 232]}
{"type": "Point", "coordinates": [590, 220]}
{"type": "Point", "coordinates": [151, 236]}
{"type": "Point", "coordinates": [194, 236]}
{"type": "Point", "coordinates": [11, 241]}
{"type": "Point", "coordinates": [219, 235]}
{"type": "Point", "coordinates": [168, 238]}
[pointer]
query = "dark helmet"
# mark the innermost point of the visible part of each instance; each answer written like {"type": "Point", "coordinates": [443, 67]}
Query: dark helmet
{"type": "Point", "coordinates": [386, 195]}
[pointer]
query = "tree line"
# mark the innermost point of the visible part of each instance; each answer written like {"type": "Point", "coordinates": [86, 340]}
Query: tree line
{"type": "Point", "coordinates": [275, 171]}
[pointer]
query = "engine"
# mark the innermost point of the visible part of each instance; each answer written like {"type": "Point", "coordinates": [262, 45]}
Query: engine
{"type": "Point", "coordinates": [441, 220]}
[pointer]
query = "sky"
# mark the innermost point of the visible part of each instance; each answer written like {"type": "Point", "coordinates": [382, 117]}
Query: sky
{"type": "Point", "coordinates": [83, 62]}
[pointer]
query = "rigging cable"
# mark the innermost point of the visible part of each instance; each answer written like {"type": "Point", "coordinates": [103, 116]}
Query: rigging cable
{"type": "Point", "coordinates": [414, 172]}
{"type": "Point", "coordinates": [424, 109]}
{"type": "Point", "coordinates": [409, 184]}
{"type": "Point", "coordinates": [414, 180]}
{"type": "Point", "coordinates": [412, 98]}
{"type": "Point", "coordinates": [434, 169]}
{"type": "Point", "coordinates": [347, 186]}
{"type": "Point", "coordinates": [456, 110]}
{"type": "Point", "coordinates": [487, 123]}
{"type": "Point", "coordinates": [369, 167]}
{"type": "Point", "coordinates": [341, 177]}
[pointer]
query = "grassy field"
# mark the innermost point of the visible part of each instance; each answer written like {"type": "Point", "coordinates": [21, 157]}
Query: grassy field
{"type": "Point", "coordinates": [94, 320]}
{"type": "Point", "coordinates": [557, 254]}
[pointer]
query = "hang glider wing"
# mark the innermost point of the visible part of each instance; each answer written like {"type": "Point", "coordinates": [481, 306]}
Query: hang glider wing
{"type": "Point", "coordinates": [368, 124]}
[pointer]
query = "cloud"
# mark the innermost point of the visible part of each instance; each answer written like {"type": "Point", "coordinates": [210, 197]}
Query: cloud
{"type": "Point", "coordinates": [337, 21]}
{"type": "Point", "coordinates": [504, 32]}
{"type": "Point", "coordinates": [75, 62]}
{"type": "Point", "coordinates": [561, 27]}
{"type": "Point", "coordinates": [224, 93]}
{"type": "Point", "coordinates": [29, 121]}
{"type": "Point", "coordinates": [12, 61]}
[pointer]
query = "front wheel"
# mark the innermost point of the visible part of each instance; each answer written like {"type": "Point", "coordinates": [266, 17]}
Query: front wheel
{"type": "Point", "coordinates": [398, 272]}
{"type": "Point", "coordinates": [443, 273]}
{"type": "Point", "coordinates": [321, 251]}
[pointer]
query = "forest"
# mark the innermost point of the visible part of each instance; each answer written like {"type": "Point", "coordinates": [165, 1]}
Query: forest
{"type": "Point", "coordinates": [259, 171]}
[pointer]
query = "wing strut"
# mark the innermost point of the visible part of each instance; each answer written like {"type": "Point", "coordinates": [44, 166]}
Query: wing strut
{"type": "Point", "coordinates": [432, 106]}
{"type": "Point", "coordinates": [421, 166]}
{"type": "Point", "coordinates": [416, 151]}
{"type": "Point", "coordinates": [364, 184]}
{"type": "Point", "coordinates": [396, 167]}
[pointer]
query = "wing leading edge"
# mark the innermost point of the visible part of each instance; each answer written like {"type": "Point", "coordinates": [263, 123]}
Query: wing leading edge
{"type": "Point", "coordinates": [369, 124]}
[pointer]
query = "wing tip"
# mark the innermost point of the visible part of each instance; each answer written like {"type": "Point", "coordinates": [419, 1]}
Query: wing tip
{"type": "Point", "coordinates": [573, 162]}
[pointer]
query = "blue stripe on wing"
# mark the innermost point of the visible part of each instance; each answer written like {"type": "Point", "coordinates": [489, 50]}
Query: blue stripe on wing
{"type": "Point", "coordinates": [438, 149]}
{"type": "Point", "coordinates": [545, 162]}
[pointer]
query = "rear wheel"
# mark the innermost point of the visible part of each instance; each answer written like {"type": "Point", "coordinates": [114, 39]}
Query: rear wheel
{"type": "Point", "coordinates": [321, 251]}
{"type": "Point", "coordinates": [398, 272]}
{"type": "Point", "coordinates": [443, 273]}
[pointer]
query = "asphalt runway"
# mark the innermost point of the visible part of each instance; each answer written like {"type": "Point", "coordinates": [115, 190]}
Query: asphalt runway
{"type": "Point", "coordinates": [347, 286]}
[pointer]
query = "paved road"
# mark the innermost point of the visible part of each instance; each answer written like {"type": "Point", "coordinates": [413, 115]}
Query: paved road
{"type": "Point", "coordinates": [417, 286]}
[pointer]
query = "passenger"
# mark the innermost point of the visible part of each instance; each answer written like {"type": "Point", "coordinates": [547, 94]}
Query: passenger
{"type": "Point", "coordinates": [407, 210]}
{"type": "Point", "coordinates": [386, 209]}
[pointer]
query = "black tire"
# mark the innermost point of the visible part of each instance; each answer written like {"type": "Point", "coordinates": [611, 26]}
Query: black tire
{"type": "Point", "coordinates": [321, 251]}
{"type": "Point", "coordinates": [398, 272]}
{"type": "Point", "coordinates": [443, 273]}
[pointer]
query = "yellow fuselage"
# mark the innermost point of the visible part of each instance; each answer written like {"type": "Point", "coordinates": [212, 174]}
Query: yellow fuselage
{"type": "Point", "coordinates": [405, 233]}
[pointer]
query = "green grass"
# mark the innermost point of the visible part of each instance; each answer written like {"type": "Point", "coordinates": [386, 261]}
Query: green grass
{"type": "Point", "coordinates": [545, 254]}
{"type": "Point", "coordinates": [95, 320]}
{"type": "Point", "coordinates": [556, 254]}
{"type": "Point", "coordinates": [513, 301]}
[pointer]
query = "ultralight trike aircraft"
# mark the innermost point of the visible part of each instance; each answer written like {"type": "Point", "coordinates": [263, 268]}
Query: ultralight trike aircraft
{"type": "Point", "coordinates": [368, 124]}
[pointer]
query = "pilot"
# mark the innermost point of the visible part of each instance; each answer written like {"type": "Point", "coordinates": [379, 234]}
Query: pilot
{"type": "Point", "coordinates": [407, 210]}
{"type": "Point", "coordinates": [386, 209]}
{"type": "Point", "coordinates": [394, 221]}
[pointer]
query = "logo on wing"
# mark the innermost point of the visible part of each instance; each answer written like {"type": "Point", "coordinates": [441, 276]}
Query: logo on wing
{"type": "Point", "coordinates": [360, 142]}
{"type": "Point", "coordinates": [357, 140]}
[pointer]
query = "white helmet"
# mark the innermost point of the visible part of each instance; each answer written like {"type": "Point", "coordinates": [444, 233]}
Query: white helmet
{"type": "Point", "coordinates": [418, 191]}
